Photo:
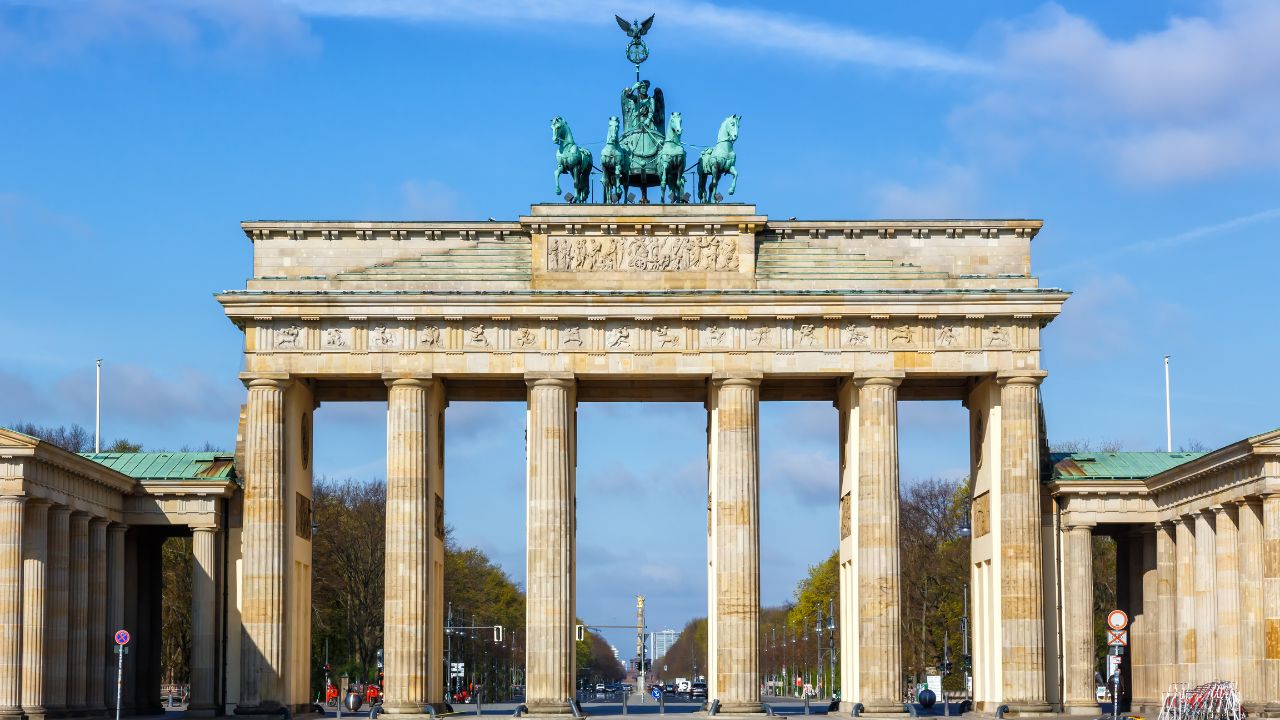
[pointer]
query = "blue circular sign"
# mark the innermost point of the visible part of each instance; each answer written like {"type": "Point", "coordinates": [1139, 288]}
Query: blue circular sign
{"type": "Point", "coordinates": [122, 637]}
{"type": "Point", "coordinates": [656, 693]}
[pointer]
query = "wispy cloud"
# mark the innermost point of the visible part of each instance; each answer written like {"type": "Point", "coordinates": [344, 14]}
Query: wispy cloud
{"type": "Point", "coordinates": [53, 31]}
{"type": "Point", "coordinates": [1170, 242]}
{"type": "Point", "coordinates": [739, 26]}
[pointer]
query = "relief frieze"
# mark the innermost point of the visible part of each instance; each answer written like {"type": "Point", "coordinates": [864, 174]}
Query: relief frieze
{"type": "Point", "coordinates": [644, 334]}
{"type": "Point", "coordinates": [676, 253]}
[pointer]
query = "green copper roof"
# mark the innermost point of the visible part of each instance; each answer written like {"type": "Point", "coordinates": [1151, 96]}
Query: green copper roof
{"type": "Point", "coordinates": [169, 465]}
{"type": "Point", "coordinates": [1115, 465]}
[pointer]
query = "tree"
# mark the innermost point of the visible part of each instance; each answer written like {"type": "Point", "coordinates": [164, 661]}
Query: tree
{"type": "Point", "coordinates": [175, 610]}
{"type": "Point", "coordinates": [347, 583]}
{"type": "Point", "coordinates": [935, 574]}
{"type": "Point", "coordinates": [72, 438]}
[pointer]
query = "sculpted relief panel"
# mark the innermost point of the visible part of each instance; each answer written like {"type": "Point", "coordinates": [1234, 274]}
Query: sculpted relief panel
{"type": "Point", "coordinates": [701, 253]}
{"type": "Point", "coordinates": [645, 334]}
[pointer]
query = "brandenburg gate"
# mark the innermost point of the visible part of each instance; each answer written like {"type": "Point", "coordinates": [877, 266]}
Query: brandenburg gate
{"type": "Point", "coordinates": [595, 303]}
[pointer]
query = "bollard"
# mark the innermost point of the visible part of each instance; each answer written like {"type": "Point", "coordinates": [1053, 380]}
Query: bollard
{"type": "Point", "coordinates": [480, 700]}
{"type": "Point", "coordinates": [624, 701]}
{"type": "Point", "coordinates": [806, 704]}
{"type": "Point", "coordinates": [946, 708]}
{"type": "Point", "coordinates": [662, 703]}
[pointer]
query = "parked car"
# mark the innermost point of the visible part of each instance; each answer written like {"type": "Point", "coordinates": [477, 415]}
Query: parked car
{"type": "Point", "coordinates": [698, 690]}
{"type": "Point", "coordinates": [668, 688]}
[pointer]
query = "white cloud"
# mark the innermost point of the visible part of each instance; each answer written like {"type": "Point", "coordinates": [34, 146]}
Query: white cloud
{"type": "Point", "coordinates": [1193, 99]}
{"type": "Point", "coordinates": [948, 192]}
{"type": "Point", "coordinates": [137, 394]}
{"type": "Point", "coordinates": [430, 200]}
{"type": "Point", "coordinates": [730, 25]}
{"type": "Point", "coordinates": [51, 31]}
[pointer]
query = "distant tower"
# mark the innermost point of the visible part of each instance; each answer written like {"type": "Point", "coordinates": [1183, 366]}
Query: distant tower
{"type": "Point", "coordinates": [640, 642]}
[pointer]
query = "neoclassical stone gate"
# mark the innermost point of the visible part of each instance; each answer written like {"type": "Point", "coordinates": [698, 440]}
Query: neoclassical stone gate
{"type": "Point", "coordinates": [577, 303]}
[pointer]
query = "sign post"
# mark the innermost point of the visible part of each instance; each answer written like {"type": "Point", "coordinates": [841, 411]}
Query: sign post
{"type": "Point", "coordinates": [1117, 640]}
{"type": "Point", "coordinates": [122, 642]}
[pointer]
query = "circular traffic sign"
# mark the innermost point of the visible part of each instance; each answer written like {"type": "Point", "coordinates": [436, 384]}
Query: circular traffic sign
{"type": "Point", "coordinates": [122, 637]}
{"type": "Point", "coordinates": [1117, 620]}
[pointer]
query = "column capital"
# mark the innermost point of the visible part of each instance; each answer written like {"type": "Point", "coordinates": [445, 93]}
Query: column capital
{"type": "Point", "coordinates": [56, 509]}
{"type": "Point", "coordinates": [550, 379]}
{"type": "Point", "coordinates": [117, 528]}
{"type": "Point", "coordinates": [422, 381]}
{"type": "Point", "coordinates": [204, 529]}
{"type": "Point", "coordinates": [98, 522]}
{"type": "Point", "coordinates": [20, 499]}
{"type": "Point", "coordinates": [1069, 524]}
{"type": "Point", "coordinates": [737, 378]}
{"type": "Point", "coordinates": [879, 377]}
{"type": "Point", "coordinates": [264, 379]}
{"type": "Point", "coordinates": [1021, 376]}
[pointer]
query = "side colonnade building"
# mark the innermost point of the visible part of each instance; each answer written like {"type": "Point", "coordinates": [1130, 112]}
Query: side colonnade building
{"type": "Point", "coordinates": [714, 304]}
{"type": "Point", "coordinates": [80, 543]}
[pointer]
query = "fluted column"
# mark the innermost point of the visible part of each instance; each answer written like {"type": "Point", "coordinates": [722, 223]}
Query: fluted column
{"type": "Point", "coordinates": [115, 603]}
{"type": "Point", "coordinates": [550, 524]}
{"type": "Point", "coordinates": [1021, 581]}
{"type": "Point", "coordinates": [1271, 591]}
{"type": "Point", "coordinates": [97, 611]}
{"type": "Point", "coordinates": [1146, 653]}
{"type": "Point", "coordinates": [55, 683]}
{"type": "Point", "coordinates": [733, 649]}
{"type": "Point", "coordinates": [407, 559]}
{"type": "Point", "coordinates": [12, 518]}
{"type": "Point", "coordinates": [35, 567]}
{"type": "Point", "coordinates": [78, 612]}
{"type": "Point", "coordinates": [1249, 544]}
{"type": "Point", "coordinates": [879, 574]}
{"type": "Point", "coordinates": [1226, 635]}
{"type": "Point", "coordinates": [204, 620]}
{"type": "Point", "coordinates": [264, 533]}
{"type": "Point", "coordinates": [1165, 634]}
{"type": "Point", "coordinates": [1185, 552]}
{"type": "Point", "coordinates": [1206, 596]}
{"type": "Point", "coordinates": [1077, 578]}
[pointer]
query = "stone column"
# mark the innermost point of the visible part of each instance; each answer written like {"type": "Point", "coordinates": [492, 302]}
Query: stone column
{"type": "Point", "coordinates": [12, 519]}
{"type": "Point", "coordinates": [78, 613]}
{"type": "Point", "coordinates": [550, 524]}
{"type": "Point", "coordinates": [733, 644]}
{"type": "Point", "coordinates": [55, 672]}
{"type": "Point", "coordinates": [1249, 543]}
{"type": "Point", "coordinates": [1165, 633]}
{"type": "Point", "coordinates": [1146, 650]}
{"type": "Point", "coordinates": [1206, 596]}
{"type": "Point", "coordinates": [1185, 551]}
{"type": "Point", "coordinates": [407, 578]}
{"type": "Point", "coordinates": [1226, 635]}
{"type": "Point", "coordinates": [879, 573]}
{"type": "Point", "coordinates": [115, 602]}
{"type": "Point", "coordinates": [35, 568]}
{"type": "Point", "coordinates": [1021, 581]}
{"type": "Point", "coordinates": [264, 534]}
{"type": "Point", "coordinates": [1077, 626]}
{"type": "Point", "coordinates": [204, 621]}
{"type": "Point", "coordinates": [1271, 591]}
{"type": "Point", "coordinates": [97, 625]}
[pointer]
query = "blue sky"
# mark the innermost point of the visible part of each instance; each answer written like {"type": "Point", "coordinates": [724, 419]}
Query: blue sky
{"type": "Point", "coordinates": [138, 134]}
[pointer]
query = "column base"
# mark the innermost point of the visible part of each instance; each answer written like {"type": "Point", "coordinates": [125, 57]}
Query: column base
{"type": "Point", "coordinates": [549, 707]}
{"type": "Point", "coordinates": [882, 709]}
{"type": "Point", "coordinates": [35, 713]}
{"type": "Point", "coordinates": [1271, 710]}
{"type": "Point", "coordinates": [740, 708]}
{"type": "Point", "coordinates": [202, 711]}
{"type": "Point", "coordinates": [1082, 709]}
{"type": "Point", "coordinates": [1029, 709]}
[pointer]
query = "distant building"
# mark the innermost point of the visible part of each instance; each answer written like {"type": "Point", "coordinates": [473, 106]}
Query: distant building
{"type": "Point", "coordinates": [662, 642]}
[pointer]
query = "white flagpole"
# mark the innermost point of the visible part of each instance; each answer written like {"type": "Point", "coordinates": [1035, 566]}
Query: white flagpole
{"type": "Point", "coordinates": [1168, 416]}
{"type": "Point", "coordinates": [97, 411]}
